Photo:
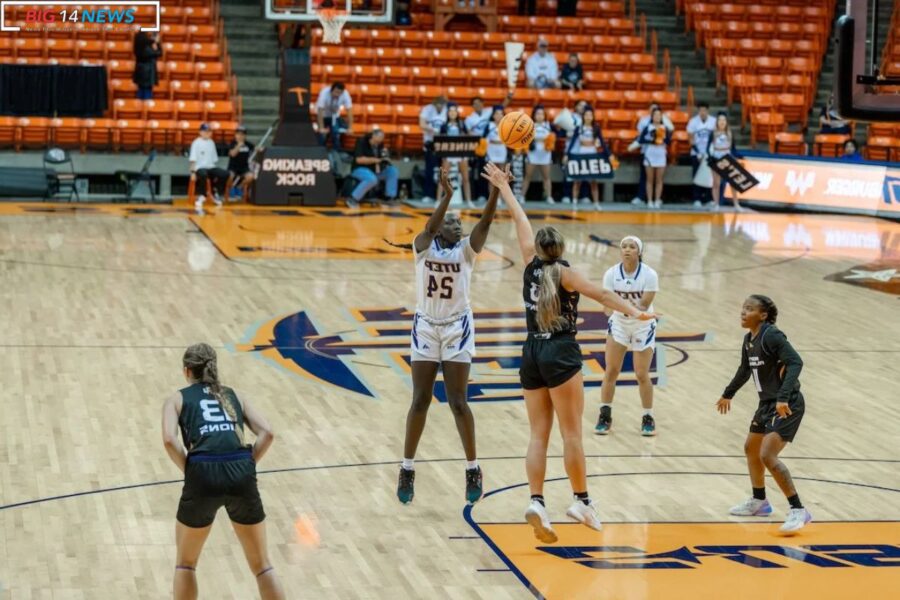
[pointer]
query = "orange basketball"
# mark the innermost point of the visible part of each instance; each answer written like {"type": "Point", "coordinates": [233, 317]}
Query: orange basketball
{"type": "Point", "coordinates": [517, 130]}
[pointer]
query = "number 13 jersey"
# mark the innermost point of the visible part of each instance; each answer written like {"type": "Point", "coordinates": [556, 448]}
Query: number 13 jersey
{"type": "Point", "coordinates": [443, 278]}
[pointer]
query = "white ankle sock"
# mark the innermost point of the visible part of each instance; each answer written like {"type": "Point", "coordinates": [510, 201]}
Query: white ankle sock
{"type": "Point", "coordinates": [471, 464]}
{"type": "Point", "coordinates": [648, 411]}
{"type": "Point", "coordinates": [408, 464]}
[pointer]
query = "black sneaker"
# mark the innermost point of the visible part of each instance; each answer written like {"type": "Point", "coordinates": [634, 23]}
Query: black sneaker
{"type": "Point", "coordinates": [405, 488]}
{"type": "Point", "coordinates": [648, 426]}
{"type": "Point", "coordinates": [474, 490]}
{"type": "Point", "coordinates": [604, 423]}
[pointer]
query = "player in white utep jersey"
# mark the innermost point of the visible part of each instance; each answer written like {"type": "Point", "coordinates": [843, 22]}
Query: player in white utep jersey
{"type": "Point", "coordinates": [637, 283]}
{"type": "Point", "coordinates": [443, 332]}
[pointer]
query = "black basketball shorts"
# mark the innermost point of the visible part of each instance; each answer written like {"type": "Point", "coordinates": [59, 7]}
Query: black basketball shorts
{"type": "Point", "coordinates": [213, 481]}
{"type": "Point", "coordinates": [550, 362]}
{"type": "Point", "coordinates": [766, 420]}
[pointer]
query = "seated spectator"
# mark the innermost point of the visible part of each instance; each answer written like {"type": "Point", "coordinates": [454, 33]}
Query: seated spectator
{"type": "Point", "coordinates": [146, 53]}
{"type": "Point", "coordinates": [371, 165]}
{"type": "Point", "coordinates": [572, 74]}
{"type": "Point", "coordinates": [541, 70]}
{"type": "Point", "coordinates": [830, 121]}
{"type": "Point", "coordinates": [203, 164]}
{"type": "Point", "coordinates": [402, 16]}
{"type": "Point", "coordinates": [331, 101]}
{"type": "Point", "coordinates": [851, 152]}
{"type": "Point", "coordinates": [239, 172]}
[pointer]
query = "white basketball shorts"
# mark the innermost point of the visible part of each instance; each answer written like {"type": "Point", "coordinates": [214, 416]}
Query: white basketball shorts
{"type": "Point", "coordinates": [453, 341]}
{"type": "Point", "coordinates": [633, 334]}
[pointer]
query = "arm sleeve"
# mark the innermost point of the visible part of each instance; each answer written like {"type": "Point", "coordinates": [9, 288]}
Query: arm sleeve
{"type": "Point", "coordinates": [793, 364]}
{"type": "Point", "coordinates": [608, 280]}
{"type": "Point", "coordinates": [740, 377]}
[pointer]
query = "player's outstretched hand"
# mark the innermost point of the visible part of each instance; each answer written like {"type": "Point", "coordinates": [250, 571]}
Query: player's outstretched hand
{"type": "Point", "coordinates": [723, 406]}
{"type": "Point", "coordinates": [783, 409]}
{"type": "Point", "coordinates": [496, 176]}
{"type": "Point", "coordinates": [445, 179]}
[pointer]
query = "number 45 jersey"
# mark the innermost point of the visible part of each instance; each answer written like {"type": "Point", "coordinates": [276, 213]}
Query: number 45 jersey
{"type": "Point", "coordinates": [442, 328]}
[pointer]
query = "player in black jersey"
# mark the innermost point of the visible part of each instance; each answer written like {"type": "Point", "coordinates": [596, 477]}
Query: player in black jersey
{"type": "Point", "coordinates": [774, 365]}
{"type": "Point", "coordinates": [219, 470]}
{"type": "Point", "coordinates": [551, 359]}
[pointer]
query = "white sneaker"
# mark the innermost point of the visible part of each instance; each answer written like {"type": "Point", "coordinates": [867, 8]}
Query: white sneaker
{"type": "Point", "coordinates": [597, 206]}
{"type": "Point", "coordinates": [536, 516]}
{"type": "Point", "coordinates": [427, 199]}
{"type": "Point", "coordinates": [637, 201]}
{"type": "Point", "coordinates": [658, 203]}
{"type": "Point", "coordinates": [520, 199]}
{"type": "Point", "coordinates": [697, 204]}
{"type": "Point", "coordinates": [585, 514]}
{"type": "Point", "coordinates": [585, 200]}
{"type": "Point", "coordinates": [549, 200]}
{"type": "Point", "coordinates": [480, 199]}
{"type": "Point", "coordinates": [198, 203]}
{"type": "Point", "coordinates": [217, 199]}
{"type": "Point", "coordinates": [470, 204]}
{"type": "Point", "coordinates": [752, 507]}
{"type": "Point", "coordinates": [566, 200]}
{"type": "Point", "coordinates": [796, 520]}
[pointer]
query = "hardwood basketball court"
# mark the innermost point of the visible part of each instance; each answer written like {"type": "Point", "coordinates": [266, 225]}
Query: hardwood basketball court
{"type": "Point", "coordinates": [308, 311]}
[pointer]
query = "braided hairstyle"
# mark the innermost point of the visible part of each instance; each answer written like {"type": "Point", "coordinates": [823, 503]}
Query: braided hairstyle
{"type": "Point", "coordinates": [200, 360]}
{"type": "Point", "coordinates": [767, 306]}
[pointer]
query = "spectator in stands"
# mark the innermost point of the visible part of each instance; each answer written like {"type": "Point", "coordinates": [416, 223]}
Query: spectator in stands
{"type": "Point", "coordinates": [851, 152]}
{"type": "Point", "coordinates": [699, 130]}
{"type": "Point", "coordinates": [204, 165]}
{"type": "Point", "coordinates": [527, 8]}
{"type": "Point", "coordinates": [720, 144]}
{"type": "Point", "coordinates": [540, 154]}
{"type": "Point", "coordinates": [572, 74]}
{"type": "Point", "coordinates": [454, 125]}
{"type": "Point", "coordinates": [402, 16]}
{"type": "Point", "coordinates": [586, 139]}
{"type": "Point", "coordinates": [431, 118]}
{"type": "Point", "coordinates": [331, 101]}
{"type": "Point", "coordinates": [655, 138]}
{"type": "Point", "coordinates": [566, 8]}
{"type": "Point", "coordinates": [497, 152]}
{"type": "Point", "coordinates": [371, 164]}
{"type": "Point", "coordinates": [541, 70]}
{"type": "Point", "coordinates": [146, 52]}
{"type": "Point", "coordinates": [239, 172]}
{"type": "Point", "coordinates": [830, 121]}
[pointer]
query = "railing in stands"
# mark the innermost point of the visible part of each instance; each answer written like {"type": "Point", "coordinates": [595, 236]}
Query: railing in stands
{"type": "Point", "coordinates": [677, 83]}
{"type": "Point", "coordinates": [667, 64]}
{"type": "Point", "coordinates": [632, 9]}
{"type": "Point", "coordinates": [690, 96]}
{"type": "Point", "coordinates": [654, 45]}
{"type": "Point", "coordinates": [642, 27]}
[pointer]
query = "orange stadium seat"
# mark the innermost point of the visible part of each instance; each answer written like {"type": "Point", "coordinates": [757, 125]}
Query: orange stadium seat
{"type": "Point", "coordinates": [61, 48]}
{"type": "Point", "coordinates": [638, 100]}
{"type": "Point", "coordinates": [91, 50]}
{"type": "Point", "coordinates": [34, 132]}
{"type": "Point", "coordinates": [203, 33]}
{"type": "Point", "coordinates": [206, 52]}
{"type": "Point", "coordinates": [681, 144]}
{"type": "Point", "coordinates": [7, 48]}
{"type": "Point", "coordinates": [99, 134]}
{"type": "Point", "coordinates": [620, 119]}
{"type": "Point", "coordinates": [121, 69]}
{"type": "Point", "coordinates": [219, 110]}
{"type": "Point", "coordinates": [209, 71]}
{"type": "Point", "coordinates": [122, 88]}
{"type": "Point", "coordinates": [163, 134]}
{"type": "Point", "coordinates": [30, 48]}
{"type": "Point", "coordinates": [185, 90]}
{"type": "Point", "coordinates": [177, 34]}
{"type": "Point", "coordinates": [119, 51]}
{"type": "Point", "coordinates": [829, 144]}
{"type": "Point", "coordinates": [465, 40]}
{"type": "Point", "coordinates": [130, 135]}
{"type": "Point", "coordinates": [128, 109]}
{"type": "Point", "coordinates": [455, 77]}
{"type": "Point", "coordinates": [67, 133]}
{"type": "Point", "coordinates": [395, 75]}
{"type": "Point", "coordinates": [623, 80]}
{"type": "Point", "coordinates": [382, 38]}
{"type": "Point", "coordinates": [882, 148]}
{"type": "Point", "coordinates": [793, 107]}
{"type": "Point", "coordinates": [765, 124]}
{"type": "Point", "coordinates": [214, 90]}
{"type": "Point", "coordinates": [178, 51]}
{"type": "Point", "coordinates": [652, 82]}
{"type": "Point", "coordinates": [197, 15]}
{"type": "Point", "coordinates": [607, 99]}
{"type": "Point", "coordinates": [9, 133]}
{"type": "Point", "coordinates": [784, 142]}
{"type": "Point", "coordinates": [159, 109]}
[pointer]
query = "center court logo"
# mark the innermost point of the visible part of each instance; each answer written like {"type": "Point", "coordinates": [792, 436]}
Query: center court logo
{"type": "Point", "coordinates": [380, 337]}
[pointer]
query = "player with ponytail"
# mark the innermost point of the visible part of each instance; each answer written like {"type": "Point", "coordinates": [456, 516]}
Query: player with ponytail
{"type": "Point", "coordinates": [550, 370]}
{"type": "Point", "coordinates": [219, 470]}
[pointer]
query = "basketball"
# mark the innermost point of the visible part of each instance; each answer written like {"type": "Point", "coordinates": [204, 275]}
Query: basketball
{"type": "Point", "coordinates": [517, 130]}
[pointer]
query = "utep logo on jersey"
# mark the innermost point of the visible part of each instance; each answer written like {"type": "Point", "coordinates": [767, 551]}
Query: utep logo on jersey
{"type": "Point", "coordinates": [381, 337]}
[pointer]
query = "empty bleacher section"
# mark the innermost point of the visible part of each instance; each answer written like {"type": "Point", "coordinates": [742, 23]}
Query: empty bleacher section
{"type": "Point", "coordinates": [195, 82]}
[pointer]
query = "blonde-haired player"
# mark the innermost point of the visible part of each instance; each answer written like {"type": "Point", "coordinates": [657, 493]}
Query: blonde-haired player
{"type": "Point", "coordinates": [637, 283]}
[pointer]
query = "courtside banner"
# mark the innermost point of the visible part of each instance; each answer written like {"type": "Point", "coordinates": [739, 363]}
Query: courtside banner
{"type": "Point", "coordinates": [455, 146]}
{"type": "Point", "coordinates": [825, 185]}
{"type": "Point", "coordinates": [587, 167]}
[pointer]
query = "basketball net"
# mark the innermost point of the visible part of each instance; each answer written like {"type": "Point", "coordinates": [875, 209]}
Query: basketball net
{"type": "Point", "coordinates": [332, 21]}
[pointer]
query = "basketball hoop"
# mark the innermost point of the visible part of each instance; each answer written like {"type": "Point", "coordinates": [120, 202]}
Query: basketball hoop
{"type": "Point", "coordinates": [332, 21]}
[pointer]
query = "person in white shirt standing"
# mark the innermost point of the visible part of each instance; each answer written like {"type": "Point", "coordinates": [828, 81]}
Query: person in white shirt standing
{"type": "Point", "coordinates": [204, 164]}
{"type": "Point", "coordinates": [443, 332]}
{"type": "Point", "coordinates": [636, 283]}
{"type": "Point", "coordinates": [431, 118]}
{"type": "Point", "coordinates": [476, 124]}
{"type": "Point", "coordinates": [331, 102]}
{"type": "Point", "coordinates": [539, 155]}
{"type": "Point", "coordinates": [699, 130]}
{"type": "Point", "coordinates": [541, 70]}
